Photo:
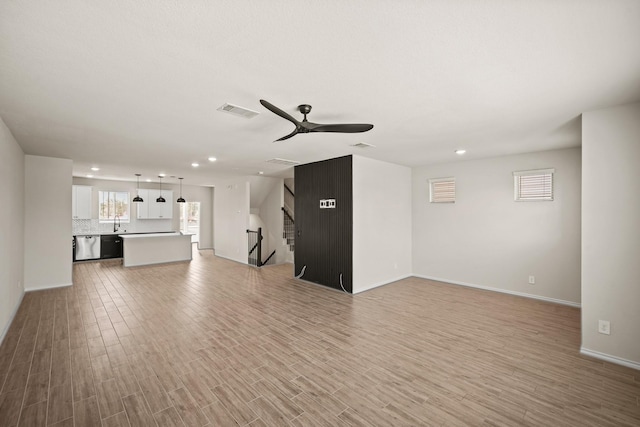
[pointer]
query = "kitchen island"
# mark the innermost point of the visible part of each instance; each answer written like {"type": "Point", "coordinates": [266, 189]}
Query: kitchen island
{"type": "Point", "coordinates": [155, 248]}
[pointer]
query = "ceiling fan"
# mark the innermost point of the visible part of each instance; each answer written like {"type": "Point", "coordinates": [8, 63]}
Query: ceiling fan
{"type": "Point", "coordinates": [306, 126]}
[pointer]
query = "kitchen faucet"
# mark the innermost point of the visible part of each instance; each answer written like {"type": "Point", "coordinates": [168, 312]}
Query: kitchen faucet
{"type": "Point", "coordinates": [115, 228]}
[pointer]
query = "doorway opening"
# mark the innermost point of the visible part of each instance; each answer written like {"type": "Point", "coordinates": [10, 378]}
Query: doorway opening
{"type": "Point", "coordinates": [190, 220]}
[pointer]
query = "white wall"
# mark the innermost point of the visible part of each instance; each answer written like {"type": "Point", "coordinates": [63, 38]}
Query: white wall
{"type": "Point", "coordinates": [11, 227]}
{"type": "Point", "coordinates": [486, 239]}
{"type": "Point", "coordinates": [191, 193]}
{"type": "Point", "coordinates": [47, 237]}
{"type": "Point", "coordinates": [231, 219]}
{"type": "Point", "coordinates": [212, 221]}
{"type": "Point", "coordinates": [381, 223]}
{"type": "Point", "coordinates": [611, 233]}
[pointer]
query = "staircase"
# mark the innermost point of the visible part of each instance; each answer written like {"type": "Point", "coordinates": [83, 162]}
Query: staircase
{"type": "Point", "coordinates": [288, 229]}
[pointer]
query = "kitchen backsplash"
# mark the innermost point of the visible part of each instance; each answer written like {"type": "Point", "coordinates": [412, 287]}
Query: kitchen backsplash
{"type": "Point", "coordinates": [93, 226]}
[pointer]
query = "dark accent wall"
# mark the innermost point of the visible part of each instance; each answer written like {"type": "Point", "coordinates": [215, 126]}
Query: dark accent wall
{"type": "Point", "coordinates": [324, 237]}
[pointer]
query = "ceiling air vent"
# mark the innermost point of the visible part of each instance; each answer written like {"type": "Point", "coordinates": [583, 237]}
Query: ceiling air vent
{"type": "Point", "coordinates": [362, 145]}
{"type": "Point", "coordinates": [238, 111]}
{"type": "Point", "coordinates": [284, 162]}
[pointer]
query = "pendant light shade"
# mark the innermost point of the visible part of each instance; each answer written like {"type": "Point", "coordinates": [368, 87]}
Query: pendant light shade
{"type": "Point", "coordinates": [138, 199]}
{"type": "Point", "coordinates": [160, 199]}
{"type": "Point", "coordinates": [180, 199]}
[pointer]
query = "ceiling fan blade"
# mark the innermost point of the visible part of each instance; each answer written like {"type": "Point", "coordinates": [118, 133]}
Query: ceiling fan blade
{"type": "Point", "coordinates": [269, 106]}
{"type": "Point", "coordinates": [295, 131]}
{"type": "Point", "coordinates": [344, 128]}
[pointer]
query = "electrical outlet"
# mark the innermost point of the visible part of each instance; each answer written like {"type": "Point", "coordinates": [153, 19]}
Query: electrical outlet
{"type": "Point", "coordinates": [532, 280]}
{"type": "Point", "coordinates": [604, 327]}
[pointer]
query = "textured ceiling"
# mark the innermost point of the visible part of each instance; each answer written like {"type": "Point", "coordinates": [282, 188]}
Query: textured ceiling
{"type": "Point", "coordinates": [134, 86]}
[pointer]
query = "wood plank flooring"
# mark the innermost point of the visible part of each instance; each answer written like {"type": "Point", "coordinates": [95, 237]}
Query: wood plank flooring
{"type": "Point", "coordinates": [217, 343]}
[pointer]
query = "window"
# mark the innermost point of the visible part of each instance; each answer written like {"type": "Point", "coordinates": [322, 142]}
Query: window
{"type": "Point", "coordinates": [442, 190]}
{"type": "Point", "coordinates": [533, 185]}
{"type": "Point", "coordinates": [112, 204]}
{"type": "Point", "coordinates": [190, 220]}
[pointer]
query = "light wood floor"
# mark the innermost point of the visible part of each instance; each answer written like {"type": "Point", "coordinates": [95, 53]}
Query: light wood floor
{"type": "Point", "coordinates": [217, 343]}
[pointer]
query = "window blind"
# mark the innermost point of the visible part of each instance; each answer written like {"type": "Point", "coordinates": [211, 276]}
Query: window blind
{"type": "Point", "coordinates": [443, 190]}
{"type": "Point", "coordinates": [533, 185]}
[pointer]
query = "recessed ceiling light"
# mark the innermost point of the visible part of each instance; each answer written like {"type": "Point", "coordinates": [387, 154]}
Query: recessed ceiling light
{"type": "Point", "coordinates": [195, 165]}
{"type": "Point", "coordinates": [162, 174]}
{"type": "Point", "coordinates": [212, 159]}
{"type": "Point", "coordinates": [148, 180]}
{"type": "Point", "coordinates": [260, 173]}
{"type": "Point", "coordinates": [89, 176]}
{"type": "Point", "coordinates": [460, 152]}
{"type": "Point", "coordinates": [95, 169]}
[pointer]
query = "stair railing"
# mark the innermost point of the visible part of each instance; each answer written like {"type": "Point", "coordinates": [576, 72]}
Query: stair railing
{"type": "Point", "coordinates": [289, 190]}
{"type": "Point", "coordinates": [288, 228]}
{"type": "Point", "coordinates": [254, 244]}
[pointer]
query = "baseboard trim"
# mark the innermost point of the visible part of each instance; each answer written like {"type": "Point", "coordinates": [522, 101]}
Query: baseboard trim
{"type": "Point", "coordinates": [504, 291]}
{"type": "Point", "coordinates": [231, 259]}
{"type": "Point", "coordinates": [378, 284]}
{"type": "Point", "coordinates": [610, 358]}
{"type": "Point", "coordinates": [44, 288]}
{"type": "Point", "coordinates": [13, 315]}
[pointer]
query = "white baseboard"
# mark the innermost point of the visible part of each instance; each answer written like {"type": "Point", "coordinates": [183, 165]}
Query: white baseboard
{"type": "Point", "coordinates": [13, 315]}
{"type": "Point", "coordinates": [610, 358]}
{"type": "Point", "coordinates": [61, 285]}
{"type": "Point", "coordinates": [232, 259]}
{"type": "Point", "coordinates": [504, 291]}
{"type": "Point", "coordinates": [378, 284]}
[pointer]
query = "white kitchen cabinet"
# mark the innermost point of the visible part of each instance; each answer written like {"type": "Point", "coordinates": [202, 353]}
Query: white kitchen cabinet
{"type": "Point", "coordinates": [80, 202]}
{"type": "Point", "coordinates": [150, 209]}
{"type": "Point", "coordinates": [142, 208]}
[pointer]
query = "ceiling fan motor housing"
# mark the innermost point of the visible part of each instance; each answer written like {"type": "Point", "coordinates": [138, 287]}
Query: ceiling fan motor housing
{"type": "Point", "coordinates": [304, 108]}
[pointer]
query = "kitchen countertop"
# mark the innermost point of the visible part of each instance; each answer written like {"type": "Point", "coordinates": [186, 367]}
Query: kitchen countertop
{"type": "Point", "coordinates": [155, 248]}
{"type": "Point", "coordinates": [117, 233]}
{"type": "Point", "coordinates": [149, 235]}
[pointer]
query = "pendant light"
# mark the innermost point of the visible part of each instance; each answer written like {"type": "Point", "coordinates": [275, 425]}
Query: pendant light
{"type": "Point", "coordinates": [160, 199]}
{"type": "Point", "coordinates": [138, 199]}
{"type": "Point", "coordinates": [180, 199]}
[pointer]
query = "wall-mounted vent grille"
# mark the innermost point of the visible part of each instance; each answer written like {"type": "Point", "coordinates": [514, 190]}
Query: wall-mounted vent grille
{"type": "Point", "coordinates": [238, 111]}
{"type": "Point", "coordinates": [284, 162]}
{"type": "Point", "coordinates": [362, 145]}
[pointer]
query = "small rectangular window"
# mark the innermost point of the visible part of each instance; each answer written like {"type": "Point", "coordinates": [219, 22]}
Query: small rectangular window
{"type": "Point", "coordinates": [533, 185]}
{"type": "Point", "coordinates": [112, 204]}
{"type": "Point", "coordinates": [442, 190]}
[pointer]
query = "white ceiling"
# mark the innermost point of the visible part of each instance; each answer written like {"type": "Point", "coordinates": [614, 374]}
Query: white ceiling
{"type": "Point", "coordinates": [133, 86]}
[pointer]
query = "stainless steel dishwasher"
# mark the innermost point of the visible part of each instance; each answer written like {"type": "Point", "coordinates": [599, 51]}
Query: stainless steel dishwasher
{"type": "Point", "coordinates": [87, 247]}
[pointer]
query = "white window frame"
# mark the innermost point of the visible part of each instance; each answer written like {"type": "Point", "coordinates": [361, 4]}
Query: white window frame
{"type": "Point", "coordinates": [435, 195]}
{"type": "Point", "coordinates": [541, 185]}
{"type": "Point", "coordinates": [110, 218]}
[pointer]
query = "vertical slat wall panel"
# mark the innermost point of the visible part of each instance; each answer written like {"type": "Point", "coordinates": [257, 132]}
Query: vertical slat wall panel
{"type": "Point", "coordinates": [324, 237]}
